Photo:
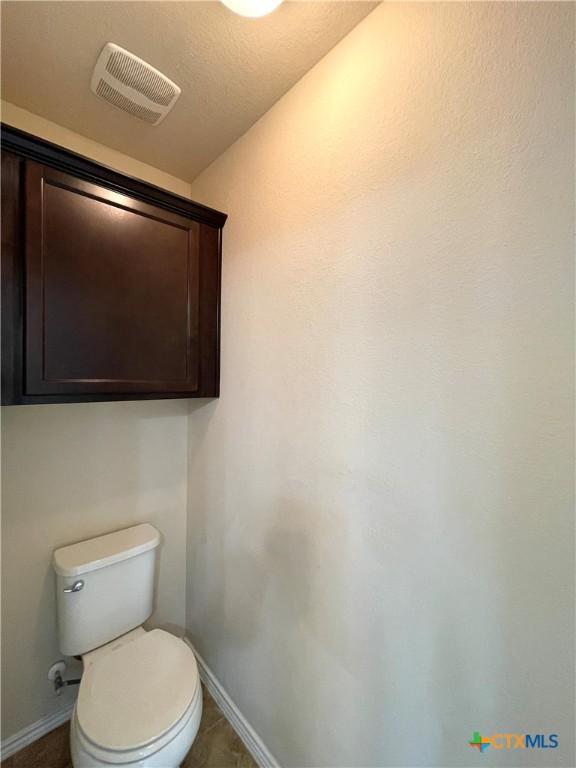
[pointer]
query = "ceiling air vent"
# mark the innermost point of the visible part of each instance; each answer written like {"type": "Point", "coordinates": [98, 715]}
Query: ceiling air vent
{"type": "Point", "coordinates": [131, 84]}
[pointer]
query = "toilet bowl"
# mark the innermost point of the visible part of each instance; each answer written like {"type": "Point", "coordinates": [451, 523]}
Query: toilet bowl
{"type": "Point", "coordinates": [140, 697]}
{"type": "Point", "coordinates": [139, 704]}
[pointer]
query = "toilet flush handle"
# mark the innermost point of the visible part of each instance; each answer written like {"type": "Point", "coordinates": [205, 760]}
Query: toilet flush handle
{"type": "Point", "coordinates": [76, 587]}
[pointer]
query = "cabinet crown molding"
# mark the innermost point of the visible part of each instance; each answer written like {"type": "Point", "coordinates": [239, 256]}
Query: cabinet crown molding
{"type": "Point", "coordinates": [47, 153]}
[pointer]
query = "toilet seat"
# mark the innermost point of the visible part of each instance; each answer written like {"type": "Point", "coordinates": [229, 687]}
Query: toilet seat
{"type": "Point", "coordinates": [137, 694]}
{"type": "Point", "coordinates": [169, 750]}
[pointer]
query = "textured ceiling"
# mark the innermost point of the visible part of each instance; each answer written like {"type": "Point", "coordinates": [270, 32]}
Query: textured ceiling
{"type": "Point", "coordinates": [231, 69]}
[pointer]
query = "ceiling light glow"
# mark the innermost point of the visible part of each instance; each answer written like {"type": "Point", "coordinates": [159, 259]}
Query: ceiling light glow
{"type": "Point", "coordinates": [252, 8]}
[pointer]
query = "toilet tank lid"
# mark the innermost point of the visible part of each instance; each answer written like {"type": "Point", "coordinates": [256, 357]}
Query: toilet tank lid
{"type": "Point", "coordinates": [92, 554]}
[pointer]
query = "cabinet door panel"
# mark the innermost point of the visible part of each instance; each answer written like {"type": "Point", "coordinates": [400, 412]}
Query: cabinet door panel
{"type": "Point", "coordinates": [111, 291]}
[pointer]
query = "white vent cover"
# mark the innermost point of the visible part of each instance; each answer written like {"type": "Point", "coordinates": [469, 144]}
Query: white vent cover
{"type": "Point", "coordinates": [131, 84]}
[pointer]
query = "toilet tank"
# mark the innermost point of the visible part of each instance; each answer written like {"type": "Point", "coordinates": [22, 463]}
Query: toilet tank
{"type": "Point", "coordinates": [104, 587]}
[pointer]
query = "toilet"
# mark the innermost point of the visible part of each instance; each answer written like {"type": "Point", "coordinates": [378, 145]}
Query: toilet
{"type": "Point", "coordinates": [140, 697]}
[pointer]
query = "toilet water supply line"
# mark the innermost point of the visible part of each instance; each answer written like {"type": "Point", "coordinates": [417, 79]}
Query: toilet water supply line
{"type": "Point", "coordinates": [59, 683]}
{"type": "Point", "coordinates": [55, 676]}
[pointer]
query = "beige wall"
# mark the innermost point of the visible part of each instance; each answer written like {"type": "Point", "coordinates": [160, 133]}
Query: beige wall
{"type": "Point", "coordinates": [380, 535]}
{"type": "Point", "coordinates": [74, 471]}
{"type": "Point", "coordinates": [26, 121]}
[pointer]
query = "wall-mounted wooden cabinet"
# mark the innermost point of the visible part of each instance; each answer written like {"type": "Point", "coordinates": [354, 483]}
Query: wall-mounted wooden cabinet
{"type": "Point", "coordinates": [110, 287]}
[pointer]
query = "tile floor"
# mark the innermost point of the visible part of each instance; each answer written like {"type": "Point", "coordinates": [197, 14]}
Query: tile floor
{"type": "Point", "coordinates": [216, 746]}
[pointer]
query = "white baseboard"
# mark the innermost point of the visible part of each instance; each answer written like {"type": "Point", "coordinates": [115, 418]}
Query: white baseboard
{"type": "Point", "coordinates": [250, 738]}
{"type": "Point", "coordinates": [35, 731]}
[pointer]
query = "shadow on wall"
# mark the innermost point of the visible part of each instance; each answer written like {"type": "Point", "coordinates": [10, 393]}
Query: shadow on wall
{"type": "Point", "coordinates": [373, 556]}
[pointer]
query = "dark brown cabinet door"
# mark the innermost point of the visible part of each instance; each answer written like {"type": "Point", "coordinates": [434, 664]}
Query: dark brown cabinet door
{"type": "Point", "coordinates": [112, 290]}
{"type": "Point", "coordinates": [110, 286]}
